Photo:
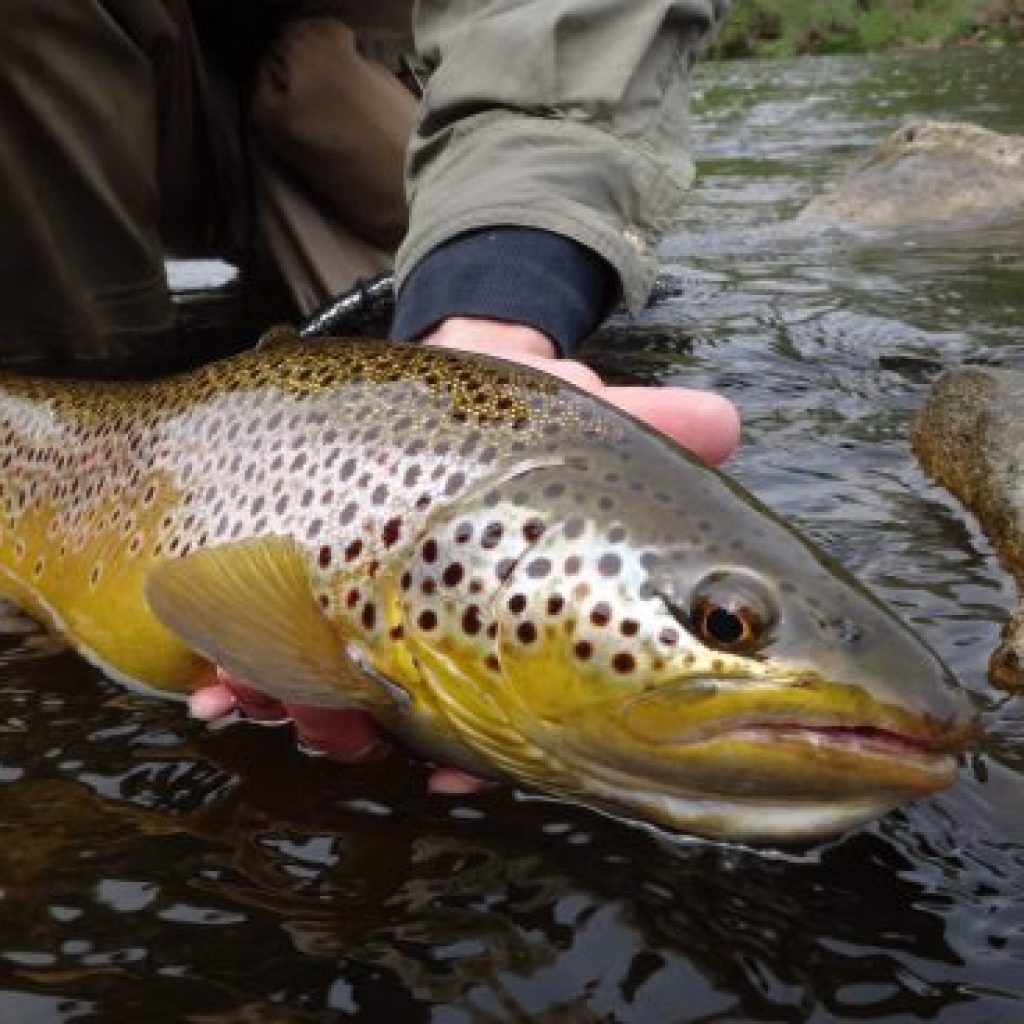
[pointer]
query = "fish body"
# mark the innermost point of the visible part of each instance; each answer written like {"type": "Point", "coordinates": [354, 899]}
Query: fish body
{"type": "Point", "coordinates": [510, 573]}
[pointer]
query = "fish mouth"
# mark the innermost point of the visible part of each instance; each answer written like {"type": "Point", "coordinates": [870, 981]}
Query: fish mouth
{"type": "Point", "coordinates": [861, 738]}
{"type": "Point", "coordinates": [773, 770]}
{"type": "Point", "coordinates": [795, 758]}
{"type": "Point", "coordinates": [798, 708]}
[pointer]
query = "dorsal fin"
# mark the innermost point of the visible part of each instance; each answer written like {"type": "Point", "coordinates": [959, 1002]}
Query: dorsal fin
{"type": "Point", "coordinates": [248, 607]}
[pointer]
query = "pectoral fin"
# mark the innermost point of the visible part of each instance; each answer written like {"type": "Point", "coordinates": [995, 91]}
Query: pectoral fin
{"type": "Point", "coordinates": [249, 608]}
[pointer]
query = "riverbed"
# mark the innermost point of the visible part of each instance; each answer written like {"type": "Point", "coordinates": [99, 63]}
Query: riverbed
{"type": "Point", "coordinates": [153, 869]}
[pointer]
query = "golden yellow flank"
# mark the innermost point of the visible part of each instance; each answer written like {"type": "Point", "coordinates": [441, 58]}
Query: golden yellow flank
{"type": "Point", "coordinates": [89, 586]}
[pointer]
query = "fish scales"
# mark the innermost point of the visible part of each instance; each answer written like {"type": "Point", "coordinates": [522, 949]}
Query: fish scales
{"type": "Point", "coordinates": [509, 573]}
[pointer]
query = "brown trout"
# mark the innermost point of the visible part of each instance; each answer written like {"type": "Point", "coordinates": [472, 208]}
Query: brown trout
{"type": "Point", "coordinates": [510, 574]}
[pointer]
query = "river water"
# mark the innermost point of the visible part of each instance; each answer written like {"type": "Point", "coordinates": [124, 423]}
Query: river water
{"type": "Point", "coordinates": [151, 869]}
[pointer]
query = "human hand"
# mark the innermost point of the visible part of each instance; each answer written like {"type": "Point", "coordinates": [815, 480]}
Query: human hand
{"type": "Point", "coordinates": [706, 423]}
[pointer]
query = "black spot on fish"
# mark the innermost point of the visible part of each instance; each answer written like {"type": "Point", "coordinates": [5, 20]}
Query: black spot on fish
{"type": "Point", "coordinates": [573, 529]}
{"type": "Point", "coordinates": [533, 530]}
{"type": "Point", "coordinates": [526, 633]}
{"type": "Point", "coordinates": [391, 532]}
{"type": "Point", "coordinates": [624, 662]}
{"type": "Point", "coordinates": [454, 483]}
{"type": "Point", "coordinates": [491, 536]}
{"type": "Point", "coordinates": [538, 568]}
{"type": "Point", "coordinates": [452, 575]}
{"type": "Point", "coordinates": [369, 617]}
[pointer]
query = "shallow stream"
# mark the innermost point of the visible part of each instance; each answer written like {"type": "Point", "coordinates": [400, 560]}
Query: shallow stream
{"type": "Point", "coordinates": [154, 870]}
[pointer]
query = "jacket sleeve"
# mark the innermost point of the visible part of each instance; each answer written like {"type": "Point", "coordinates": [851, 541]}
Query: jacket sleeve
{"type": "Point", "coordinates": [568, 116]}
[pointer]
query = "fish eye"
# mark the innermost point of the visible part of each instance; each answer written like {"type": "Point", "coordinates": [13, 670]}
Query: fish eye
{"type": "Point", "coordinates": [732, 612]}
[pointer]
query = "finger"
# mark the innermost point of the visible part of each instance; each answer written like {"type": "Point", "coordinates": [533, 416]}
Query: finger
{"type": "Point", "coordinates": [213, 701]}
{"type": "Point", "coordinates": [491, 337]}
{"type": "Point", "coordinates": [706, 423]}
{"type": "Point", "coordinates": [342, 734]}
{"type": "Point", "coordinates": [217, 694]}
{"type": "Point", "coordinates": [455, 782]}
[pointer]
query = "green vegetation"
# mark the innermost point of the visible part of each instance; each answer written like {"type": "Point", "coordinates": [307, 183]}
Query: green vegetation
{"type": "Point", "coordinates": [776, 28]}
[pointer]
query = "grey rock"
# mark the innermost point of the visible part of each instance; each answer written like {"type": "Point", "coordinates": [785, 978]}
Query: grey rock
{"type": "Point", "coordinates": [970, 437]}
{"type": "Point", "coordinates": [930, 173]}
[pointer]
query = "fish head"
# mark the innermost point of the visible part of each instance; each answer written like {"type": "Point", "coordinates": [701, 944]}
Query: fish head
{"type": "Point", "coordinates": [663, 647]}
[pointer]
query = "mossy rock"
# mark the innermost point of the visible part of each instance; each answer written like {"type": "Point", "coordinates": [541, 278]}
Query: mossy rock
{"type": "Point", "coordinates": [970, 437]}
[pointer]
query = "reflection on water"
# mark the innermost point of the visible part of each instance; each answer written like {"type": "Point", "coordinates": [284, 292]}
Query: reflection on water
{"type": "Point", "coordinates": [153, 870]}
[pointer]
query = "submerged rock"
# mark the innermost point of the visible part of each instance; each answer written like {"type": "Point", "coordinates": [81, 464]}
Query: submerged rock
{"type": "Point", "coordinates": [970, 437]}
{"type": "Point", "coordinates": [932, 173]}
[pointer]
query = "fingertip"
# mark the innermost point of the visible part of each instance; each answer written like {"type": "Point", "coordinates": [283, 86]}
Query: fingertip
{"type": "Point", "coordinates": [455, 782]}
{"type": "Point", "coordinates": [212, 702]}
{"type": "Point", "coordinates": [718, 423]}
{"type": "Point", "coordinates": [706, 423]}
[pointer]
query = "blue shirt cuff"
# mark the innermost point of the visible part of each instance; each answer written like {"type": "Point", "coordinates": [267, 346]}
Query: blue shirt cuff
{"type": "Point", "coordinates": [522, 275]}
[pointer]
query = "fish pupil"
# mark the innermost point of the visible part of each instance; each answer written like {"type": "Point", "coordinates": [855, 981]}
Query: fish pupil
{"type": "Point", "coordinates": [723, 626]}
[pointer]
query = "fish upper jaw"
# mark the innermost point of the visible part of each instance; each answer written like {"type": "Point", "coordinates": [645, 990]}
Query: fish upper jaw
{"type": "Point", "coordinates": [703, 709]}
{"type": "Point", "coordinates": [695, 705]}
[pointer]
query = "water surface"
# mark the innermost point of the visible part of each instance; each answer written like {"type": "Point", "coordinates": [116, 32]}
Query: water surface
{"type": "Point", "coordinates": [154, 870]}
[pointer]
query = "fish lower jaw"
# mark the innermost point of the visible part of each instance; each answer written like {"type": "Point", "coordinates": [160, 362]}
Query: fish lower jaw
{"type": "Point", "coordinates": [758, 821]}
{"type": "Point", "coordinates": [784, 816]}
{"type": "Point", "coordinates": [774, 782]}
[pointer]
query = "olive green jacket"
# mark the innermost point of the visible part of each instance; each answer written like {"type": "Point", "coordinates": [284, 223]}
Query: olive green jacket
{"type": "Point", "coordinates": [565, 115]}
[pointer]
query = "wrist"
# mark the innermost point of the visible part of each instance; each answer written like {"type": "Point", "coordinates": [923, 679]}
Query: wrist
{"type": "Point", "coordinates": [491, 337]}
{"type": "Point", "coordinates": [508, 275]}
